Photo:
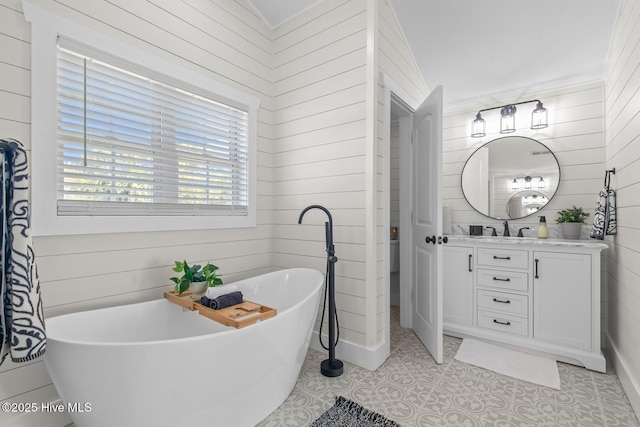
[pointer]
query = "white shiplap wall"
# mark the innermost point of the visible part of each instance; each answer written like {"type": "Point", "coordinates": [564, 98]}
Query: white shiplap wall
{"type": "Point", "coordinates": [319, 152]}
{"type": "Point", "coordinates": [575, 135]}
{"type": "Point", "coordinates": [223, 39]}
{"type": "Point", "coordinates": [622, 103]}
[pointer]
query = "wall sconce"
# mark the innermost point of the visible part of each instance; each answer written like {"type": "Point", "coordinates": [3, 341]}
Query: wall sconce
{"type": "Point", "coordinates": [539, 118]}
{"type": "Point", "coordinates": [524, 182]}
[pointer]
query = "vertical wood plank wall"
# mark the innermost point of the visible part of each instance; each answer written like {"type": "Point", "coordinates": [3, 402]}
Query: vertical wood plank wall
{"type": "Point", "coordinates": [225, 39]}
{"type": "Point", "coordinates": [622, 149]}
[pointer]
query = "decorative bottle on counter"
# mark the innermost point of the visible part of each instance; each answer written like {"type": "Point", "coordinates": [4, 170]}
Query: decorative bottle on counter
{"type": "Point", "coordinates": [543, 231]}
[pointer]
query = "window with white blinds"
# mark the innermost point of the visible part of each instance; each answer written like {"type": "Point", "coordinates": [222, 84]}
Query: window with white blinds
{"type": "Point", "coordinates": [130, 145]}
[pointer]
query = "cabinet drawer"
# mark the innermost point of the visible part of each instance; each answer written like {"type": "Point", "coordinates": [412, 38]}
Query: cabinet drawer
{"type": "Point", "coordinates": [503, 302]}
{"type": "Point", "coordinates": [503, 322]}
{"type": "Point", "coordinates": [503, 279]}
{"type": "Point", "coordinates": [511, 258]}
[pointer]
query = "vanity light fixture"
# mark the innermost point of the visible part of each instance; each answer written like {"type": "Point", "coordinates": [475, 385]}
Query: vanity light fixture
{"type": "Point", "coordinates": [525, 182]}
{"type": "Point", "coordinates": [539, 118]}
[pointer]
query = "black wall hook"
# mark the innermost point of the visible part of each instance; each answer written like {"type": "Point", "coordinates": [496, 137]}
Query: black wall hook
{"type": "Point", "coordinates": [607, 177]}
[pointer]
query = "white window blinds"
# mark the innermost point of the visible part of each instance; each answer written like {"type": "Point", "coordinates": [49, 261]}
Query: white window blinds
{"type": "Point", "coordinates": [131, 145]}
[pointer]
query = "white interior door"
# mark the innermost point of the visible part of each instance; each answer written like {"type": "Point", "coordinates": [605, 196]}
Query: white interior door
{"type": "Point", "coordinates": [426, 223]}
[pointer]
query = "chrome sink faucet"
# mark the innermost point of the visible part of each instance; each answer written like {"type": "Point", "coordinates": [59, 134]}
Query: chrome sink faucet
{"type": "Point", "coordinates": [506, 229]}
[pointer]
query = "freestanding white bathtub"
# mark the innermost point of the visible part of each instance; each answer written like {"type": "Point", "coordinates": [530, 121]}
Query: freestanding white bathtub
{"type": "Point", "coordinates": [156, 364]}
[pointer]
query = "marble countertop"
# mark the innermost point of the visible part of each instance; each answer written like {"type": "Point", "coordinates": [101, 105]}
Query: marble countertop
{"type": "Point", "coordinates": [595, 244]}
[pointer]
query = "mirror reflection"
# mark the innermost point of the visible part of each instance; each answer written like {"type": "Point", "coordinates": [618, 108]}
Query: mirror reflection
{"type": "Point", "coordinates": [526, 203]}
{"type": "Point", "coordinates": [510, 178]}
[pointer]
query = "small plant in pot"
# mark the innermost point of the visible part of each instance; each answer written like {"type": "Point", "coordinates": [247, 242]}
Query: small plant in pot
{"type": "Point", "coordinates": [195, 277]}
{"type": "Point", "coordinates": [571, 221]}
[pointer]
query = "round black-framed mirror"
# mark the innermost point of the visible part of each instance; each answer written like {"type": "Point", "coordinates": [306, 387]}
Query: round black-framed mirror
{"type": "Point", "coordinates": [499, 170]}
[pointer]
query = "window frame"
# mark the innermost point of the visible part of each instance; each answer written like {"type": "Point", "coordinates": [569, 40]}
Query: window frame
{"type": "Point", "coordinates": [46, 26]}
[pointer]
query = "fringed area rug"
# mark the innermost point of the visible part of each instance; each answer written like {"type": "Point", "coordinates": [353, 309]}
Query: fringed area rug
{"type": "Point", "coordinates": [347, 413]}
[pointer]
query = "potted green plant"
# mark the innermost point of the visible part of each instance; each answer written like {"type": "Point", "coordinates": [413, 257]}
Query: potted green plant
{"type": "Point", "coordinates": [195, 277]}
{"type": "Point", "coordinates": [571, 221]}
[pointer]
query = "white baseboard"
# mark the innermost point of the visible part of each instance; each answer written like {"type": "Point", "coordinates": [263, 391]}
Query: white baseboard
{"type": "Point", "coordinates": [367, 358]}
{"type": "Point", "coordinates": [630, 385]}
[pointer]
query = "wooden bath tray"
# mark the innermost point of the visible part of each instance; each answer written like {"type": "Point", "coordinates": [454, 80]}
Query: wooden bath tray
{"type": "Point", "coordinates": [239, 315]}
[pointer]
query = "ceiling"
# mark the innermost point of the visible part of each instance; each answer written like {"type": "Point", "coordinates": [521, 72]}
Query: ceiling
{"type": "Point", "coordinates": [277, 12]}
{"type": "Point", "coordinates": [481, 51]}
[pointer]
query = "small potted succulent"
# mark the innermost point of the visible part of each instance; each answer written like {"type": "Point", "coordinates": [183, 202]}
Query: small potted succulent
{"type": "Point", "coordinates": [195, 278]}
{"type": "Point", "coordinates": [571, 221]}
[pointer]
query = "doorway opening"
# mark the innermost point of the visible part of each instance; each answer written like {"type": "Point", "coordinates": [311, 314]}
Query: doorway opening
{"type": "Point", "coordinates": [398, 218]}
{"type": "Point", "coordinates": [419, 154]}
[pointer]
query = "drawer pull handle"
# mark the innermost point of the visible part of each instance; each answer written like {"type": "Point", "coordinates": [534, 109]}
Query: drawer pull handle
{"type": "Point", "coordinates": [470, 263]}
{"type": "Point", "coordinates": [502, 323]}
{"type": "Point", "coordinates": [505, 301]}
{"type": "Point", "coordinates": [502, 257]}
{"type": "Point", "coordinates": [498, 279]}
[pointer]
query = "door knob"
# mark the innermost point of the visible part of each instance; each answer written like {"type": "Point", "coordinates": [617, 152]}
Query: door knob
{"type": "Point", "coordinates": [431, 239]}
{"type": "Point", "coordinates": [442, 239]}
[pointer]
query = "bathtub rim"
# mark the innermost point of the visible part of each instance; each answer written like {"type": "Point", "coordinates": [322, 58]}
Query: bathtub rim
{"type": "Point", "coordinates": [227, 329]}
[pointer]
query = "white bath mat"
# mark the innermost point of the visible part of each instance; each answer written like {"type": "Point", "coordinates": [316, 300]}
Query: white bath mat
{"type": "Point", "coordinates": [526, 367]}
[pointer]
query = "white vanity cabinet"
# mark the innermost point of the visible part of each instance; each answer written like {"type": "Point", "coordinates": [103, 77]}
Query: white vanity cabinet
{"type": "Point", "coordinates": [562, 298]}
{"type": "Point", "coordinates": [542, 295]}
{"type": "Point", "coordinates": [502, 290]}
{"type": "Point", "coordinates": [457, 267]}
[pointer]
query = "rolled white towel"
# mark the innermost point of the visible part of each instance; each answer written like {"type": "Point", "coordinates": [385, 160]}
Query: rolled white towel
{"type": "Point", "coordinates": [216, 291]}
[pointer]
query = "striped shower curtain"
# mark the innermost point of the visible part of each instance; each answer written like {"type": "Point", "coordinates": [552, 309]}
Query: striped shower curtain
{"type": "Point", "coordinates": [22, 333]}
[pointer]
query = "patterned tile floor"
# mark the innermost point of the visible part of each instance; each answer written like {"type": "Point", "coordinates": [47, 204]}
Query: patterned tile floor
{"type": "Point", "coordinates": [411, 389]}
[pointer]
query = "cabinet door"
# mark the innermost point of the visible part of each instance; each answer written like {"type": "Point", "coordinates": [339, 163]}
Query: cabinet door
{"type": "Point", "coordinates": [562, 298]}
{"type": "Point", "coordinates": [457, 284]}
